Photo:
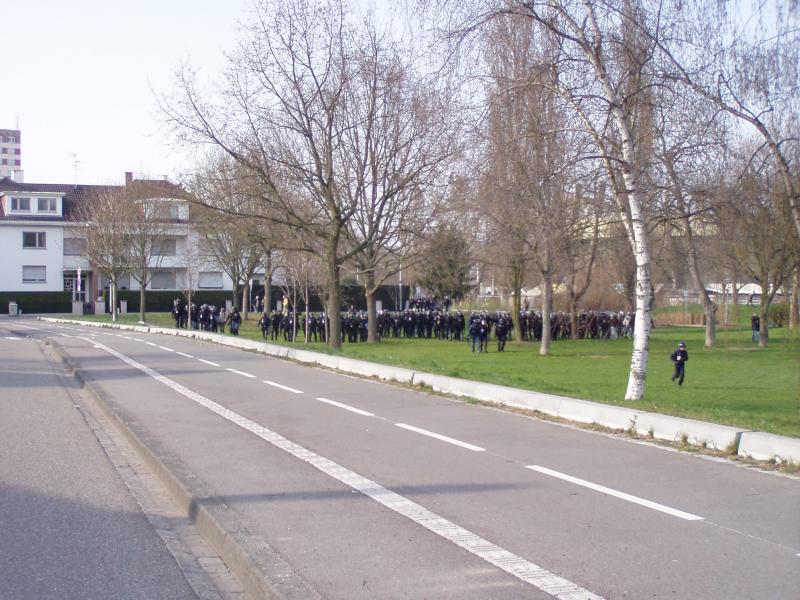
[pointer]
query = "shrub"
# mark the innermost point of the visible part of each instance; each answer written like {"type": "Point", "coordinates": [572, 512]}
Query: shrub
{"type": "Point", "coordinates": [38, 302]}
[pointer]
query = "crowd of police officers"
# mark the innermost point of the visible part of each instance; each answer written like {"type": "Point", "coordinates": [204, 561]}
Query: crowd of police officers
{"type": "Point", "coordinates": [424, 319]}
{"type": "Point", "coordinates": [205, 317]}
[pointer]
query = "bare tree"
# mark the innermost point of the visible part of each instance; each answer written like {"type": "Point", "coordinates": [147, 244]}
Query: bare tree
{"type": "Point", "coordinates": [227, 225]}
{"type": "Point", "coordinates": [106, 217]}
{"type": "Point", "coordinates": [690, 147]}
{"type": "Point", "coordinates": [580, 248]}
{"type": "Point", "coordinates": [195, 261]}
{"type": "Point", "coordinates": [761, 230]}
{"type": "Point", "coordinates": [394, 153]}
{"type": "Point", "coordinates": [605, 72]}
{"type": "Point", "coordinates": [284, 113]}
{"type": "Point", "coordinates": [148, 231]}
{"type": "Point", "coordinates": [747, 65]}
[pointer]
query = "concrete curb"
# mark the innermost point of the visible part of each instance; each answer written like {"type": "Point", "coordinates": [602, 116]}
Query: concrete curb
{"type": "Point", "coordinates": [766, 446]}
{"type": "Point", "coordinates": [263, 574]}
{"type": "Point", "coordinates": [761, 446]}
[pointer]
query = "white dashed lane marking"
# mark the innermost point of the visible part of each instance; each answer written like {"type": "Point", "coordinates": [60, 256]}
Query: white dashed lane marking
{"type": "Point", "coordinates": [167, 349]}
{"type": "Point", "coordinates": [152, 344]}
{"type": "Point", "coordinates": [208, 362]}
{"type": "Point", "coordinates": [622, 495]}
{"type": "Point", "coordinates": [184, 354]}
{"type": "Point", "coordinates": [440, 437]}
{"type": "Point", "coordinates": [240, 372]}
{"type": "Point", "coordinates": [346, 407]}
{"type": "Point", "coordinates": [282, 387]}
{"type": "Point", "coordinates": [501, 558]}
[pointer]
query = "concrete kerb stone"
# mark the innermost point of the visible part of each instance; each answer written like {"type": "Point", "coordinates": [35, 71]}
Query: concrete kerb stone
{"type": "Point", "coordinates": [699, 433]}
{"type": "Point", "coordinates": [766, 446]}
{"type": "Point", "coordinates": [762, 446]}
{"type": "Point", "coordinates": [583, 411]}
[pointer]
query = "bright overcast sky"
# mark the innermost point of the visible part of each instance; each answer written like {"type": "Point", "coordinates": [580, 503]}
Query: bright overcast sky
{"type": "Point", "coordinates": [80, 77]}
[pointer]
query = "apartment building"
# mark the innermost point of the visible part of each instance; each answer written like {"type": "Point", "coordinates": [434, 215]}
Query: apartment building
{"type": "Point", "coordinates": [10, 153]}
{"type": "Point", "coordinates": [43, 248]}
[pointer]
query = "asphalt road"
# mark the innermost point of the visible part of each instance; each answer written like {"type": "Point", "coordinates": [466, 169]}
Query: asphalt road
{"type": "Point", "coordinates": [373, 491]}
{"type": "Point", "coordinates": [69, 527]}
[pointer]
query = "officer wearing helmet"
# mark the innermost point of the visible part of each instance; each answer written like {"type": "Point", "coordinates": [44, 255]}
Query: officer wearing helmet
{"type": "Point", "coordinates": [679, 358]}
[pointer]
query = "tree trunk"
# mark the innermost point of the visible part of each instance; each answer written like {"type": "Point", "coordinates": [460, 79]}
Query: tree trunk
{"type": "Point", "coordinates": [305, 301]}
{"type": "Point", "coordinates": [268, 284]}
{"type": "Point", "coordinates": [794, 301]}
{"type": "Point", "coordinates": [641, 329]}
{"type": "Point", "coordinates": [763, 330]}
{"type": "Point", "coordinates": [112, 293]}
{"type": "Point", "coordinates": [547, 308]}
{"type": "Point", "coordinates": [235, 297]}
{"type": "Point", "coordinates": [516, 302]}
{"type": "Point", "coordinates": [142, 296]}
{"type": "Point", "coordinates": [372, 307]}
{"type": "Point", "coordinates": [710, 311]}
{"type": "Point", "coordinates": [709, 308]}
{"type": "Point", "coordinates": [573, 317]}
{"type": "Point", "coordinates": [372, 317]}
{"type": "Point", "coordinates": [735, 297]}
{"type": "Point", "coordinates": [641, 253]}
{"type": "Point", "coordinates": [334, 293]}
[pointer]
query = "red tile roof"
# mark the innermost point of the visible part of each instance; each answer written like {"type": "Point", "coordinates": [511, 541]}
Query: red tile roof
{"type": "Point", "coordinates": [74, 195]}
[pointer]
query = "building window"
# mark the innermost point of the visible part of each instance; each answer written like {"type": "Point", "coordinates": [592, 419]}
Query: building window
{"type": "Point", "coordinates": [16, 151]}
{"type": "Point", "coordinates": [34, 274]}
{"type": "Point", "coordinates": [5, 161]}
{"type": "Point", "coordinates": [33, 239]}
{"type": "Point", "coordinates": [46, 205]}
{"type": "Point", "coordinates": [209, 280]}
{"type": "Point", "coordinates": [17, 163]}
{"type": "Point", "coordinates": [4, 151]}
{"type": "Point", "coordinates": [165, 248]}
{"type": "Point", "coordinates": [74, 246]}
{"type": "Point", "coordinates": [163, 280]}
{"type": "Point", "coordinates": [20, 205]}
{"type": "Point", "coordinates": [166, 211]}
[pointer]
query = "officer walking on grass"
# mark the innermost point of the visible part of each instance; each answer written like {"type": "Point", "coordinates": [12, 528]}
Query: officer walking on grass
{"type": "Point", "coordinates": [679, 358]}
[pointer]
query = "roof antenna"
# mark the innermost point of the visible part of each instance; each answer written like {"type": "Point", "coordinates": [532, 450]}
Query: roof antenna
{"type": "Point", "coordinates": [75, 163]}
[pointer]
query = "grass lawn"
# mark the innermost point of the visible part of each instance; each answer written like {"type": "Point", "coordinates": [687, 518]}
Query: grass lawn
{"type": "Point", "coordinates": [735, 383]}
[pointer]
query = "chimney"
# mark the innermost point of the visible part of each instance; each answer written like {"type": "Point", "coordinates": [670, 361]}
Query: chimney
{"type": "Point", "coordinates": [128, 177]}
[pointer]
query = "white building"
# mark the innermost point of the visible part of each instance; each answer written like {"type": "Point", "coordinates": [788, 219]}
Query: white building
{"type": "Point", "coordinates": [42, 248]}
{"type": "Point", "coordinates": [11, 153]}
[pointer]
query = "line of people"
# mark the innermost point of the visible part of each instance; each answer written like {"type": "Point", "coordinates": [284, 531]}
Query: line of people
{"type": "Point", "coordinates": [205, 317]}
{"type": "Point", "coordinates": [478, 328]}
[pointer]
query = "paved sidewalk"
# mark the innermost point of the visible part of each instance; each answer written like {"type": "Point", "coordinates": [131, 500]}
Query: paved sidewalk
{"type": "Point", "coordinates": [71, 528]}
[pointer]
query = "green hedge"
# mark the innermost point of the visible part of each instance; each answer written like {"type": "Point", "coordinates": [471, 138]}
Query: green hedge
{"type": "Point", "coordinates": [161, 301]}
{"type": "Point", "coordinates": [37, 302]}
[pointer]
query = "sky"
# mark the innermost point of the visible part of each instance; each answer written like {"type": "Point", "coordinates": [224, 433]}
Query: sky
{"type": "Point", "coordinates": [82, 77]}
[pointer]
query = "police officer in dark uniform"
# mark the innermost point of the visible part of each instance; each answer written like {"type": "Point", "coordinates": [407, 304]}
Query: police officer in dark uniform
{"type": "Point", "coordinates": [679, 358]}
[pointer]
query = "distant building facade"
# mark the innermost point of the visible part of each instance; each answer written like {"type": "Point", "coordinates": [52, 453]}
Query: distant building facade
{"type": "Point", "coordinates": [42, 247]}
{"type": "Point", "coordinates": [11, 154]}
